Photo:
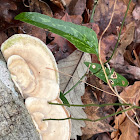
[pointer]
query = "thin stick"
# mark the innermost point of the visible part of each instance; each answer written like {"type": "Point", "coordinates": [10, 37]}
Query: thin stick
{"type": "Point", "coordinates": [82, 81]}
{"type": "Point", "coordinates": [119, 32]}
{"type": "Point", "coordinates": [99, 50]}
{"type": "Point", "coordinates": [127, 113]}
{"type": "Point", "coordinates": [78, 81]}
{"type": "Point", "coordinates": [93, 11]}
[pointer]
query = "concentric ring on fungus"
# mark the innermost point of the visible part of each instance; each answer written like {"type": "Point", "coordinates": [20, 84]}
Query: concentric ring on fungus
{"type": "Point", "coordinates": [27, 58]}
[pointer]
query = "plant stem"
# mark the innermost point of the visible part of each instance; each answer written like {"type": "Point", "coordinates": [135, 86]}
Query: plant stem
{"type": "Point", "coordinates": [119, 33]}
{"type": "Point", "coordinates": [99, 105]}
{"type": "Point", "coordinates": [93, 11]}
{"type": "Point", "coordinates": [82, 119]}
{"type": "Point", "coordinates": [75, 84]}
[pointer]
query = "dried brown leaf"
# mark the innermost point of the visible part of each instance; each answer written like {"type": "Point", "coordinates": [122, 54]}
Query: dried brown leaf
{"type": "Point", "coordinates": [9, 9]}
{"type": "Point", "coordinates": [107, 46]}
{"type": "Point", "coordinates": [61, 47]}
{"type": "Point", "coordinates": [40, 7]}
{"type": "Point", "coordinates": [125, 129]}
{"type": "Point", "coordinates": [131, 7]}
{"type": "Point", "coordinates": [118, 121]}
{"type": "Point", "coordinates": [90, 4]}
{"type": "Point", "coordinates": [33, 30]}
{"type": "Point", "coordinates": [118, 62]}
{"type": "Point", "coordinates": [131, 94]}
{"type": "Point", "coordinates": [94, 113]}
{"type": "Point", "coordinates": [58, 3]}
{"type": "Point", "coordinates": [3, 37]}
{"type": "Point", "coordinates": [103, 14]}
{"type": "Point", "coordinates": [77, 19]}
{"type": "Point", "coordinates": [76, 7]}
{"type": "Point", "coordinates": [56, 6]}
{"type": "Point", "coordinates": [129, 130]}
{"type": "Point", "coordinates": [126, 40]}
{"type": "Point", "coordinates": [136, 13]}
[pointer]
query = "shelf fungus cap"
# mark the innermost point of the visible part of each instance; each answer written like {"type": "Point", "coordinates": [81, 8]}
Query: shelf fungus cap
{"type": "Point", "coordinates": [49, 130]}
{"type": "Point", "coordinates": [32, 66]}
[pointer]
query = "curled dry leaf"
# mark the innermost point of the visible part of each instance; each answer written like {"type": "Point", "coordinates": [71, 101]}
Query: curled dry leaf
{"type": "Point", "coordinates": [125, 129]}
{"type": "Point", "coordinates": [74, 65]}
{"type": "Point", "coordinates": [118, 121]}
{"type": "Point", "coordinates": [29, 60]}
{"type": "Point", "coordinates": [129, 130]}
{"type": "Point", "coordinates": [131, 94]}
{"type": "Point", "coordinates": [118, 62]}
{"type": "Point", "coordinates": [126, 40]}
{"type": "Point", "coordinates": [40, 7]}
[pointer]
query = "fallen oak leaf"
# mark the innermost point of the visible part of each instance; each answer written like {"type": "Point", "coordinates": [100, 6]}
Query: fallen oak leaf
{"type": "Point", "coordinates": [131, 7]}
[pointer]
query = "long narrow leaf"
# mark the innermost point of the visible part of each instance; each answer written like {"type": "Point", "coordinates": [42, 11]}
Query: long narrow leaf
{"type": "Point", "coordinates": [83, 38]}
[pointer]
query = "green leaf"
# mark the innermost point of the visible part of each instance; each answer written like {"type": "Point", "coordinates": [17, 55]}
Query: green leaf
{"type": "Point", "coordinates": [64, 99]}
{"type": "Point", "coordinates": [83, 38]}
{"type": "Point", "coordinates": [115, 78]}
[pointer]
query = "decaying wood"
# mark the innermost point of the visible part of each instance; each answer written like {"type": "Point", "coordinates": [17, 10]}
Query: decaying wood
{"type": "Point", "coordinates": [15, 122]}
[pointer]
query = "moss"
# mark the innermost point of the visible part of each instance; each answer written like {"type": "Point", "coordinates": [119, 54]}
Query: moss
{"type": "Point", "coordinates": [10, 42]}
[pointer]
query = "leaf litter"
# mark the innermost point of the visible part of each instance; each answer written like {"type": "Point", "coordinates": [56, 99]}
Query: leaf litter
{"type": "Point", "coordinates": [124, 61]}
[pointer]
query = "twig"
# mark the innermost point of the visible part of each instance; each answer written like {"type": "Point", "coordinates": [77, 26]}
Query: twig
{"type": "Point", "coordinates": [119, 32]}
{"type": "Point", "coordinates": [81, 81]}
{"type": "Point", "coordinates": [99, 50]}
{"type": "Point", "coordinates": [126, 112]}
{"type": "Point", "coordinates": [93, 11]}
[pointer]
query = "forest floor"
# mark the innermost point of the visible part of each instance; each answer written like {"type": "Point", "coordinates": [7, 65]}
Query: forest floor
{"type": "Point", "coordinates": [94, 14]}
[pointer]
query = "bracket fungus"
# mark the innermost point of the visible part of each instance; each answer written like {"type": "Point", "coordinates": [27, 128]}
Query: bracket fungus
{"type": "Point", "coordinates": [28, 59]}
